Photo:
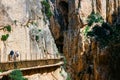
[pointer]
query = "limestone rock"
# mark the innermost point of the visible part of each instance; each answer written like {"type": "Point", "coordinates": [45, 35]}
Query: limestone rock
{"type": "Point", "coordinates": [30, 33]}
{"type": "Point", "coordinates": [48, 76]}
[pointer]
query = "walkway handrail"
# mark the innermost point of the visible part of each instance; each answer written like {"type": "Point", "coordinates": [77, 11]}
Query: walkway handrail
{"type": "Point", "coordinates": [36, 67]}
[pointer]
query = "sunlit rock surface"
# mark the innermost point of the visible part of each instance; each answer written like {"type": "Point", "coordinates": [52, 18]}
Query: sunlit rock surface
{"type": "Point", "coordinates": [30, 33]}
{"type": "Point", "coordinates": [58, 74]}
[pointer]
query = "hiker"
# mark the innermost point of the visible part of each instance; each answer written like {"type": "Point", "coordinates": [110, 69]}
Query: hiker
{"type": "Point", "coordinates": [11, 55]}
{"type": "Point", "coordinates": [16, 55]}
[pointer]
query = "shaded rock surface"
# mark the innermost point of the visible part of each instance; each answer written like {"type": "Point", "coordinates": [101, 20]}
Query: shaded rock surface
{"type": "Point", "coordinates": [85, 59]}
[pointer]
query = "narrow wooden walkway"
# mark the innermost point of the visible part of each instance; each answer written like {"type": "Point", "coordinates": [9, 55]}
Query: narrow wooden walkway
{"type": "Point", "coordinates": [32, 68]}
{"type": "Point", "coordinates": [5, 66]}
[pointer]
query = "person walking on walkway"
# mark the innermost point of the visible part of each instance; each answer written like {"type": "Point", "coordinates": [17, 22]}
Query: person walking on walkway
{"type": "Point", "coordinates": [11, 55]}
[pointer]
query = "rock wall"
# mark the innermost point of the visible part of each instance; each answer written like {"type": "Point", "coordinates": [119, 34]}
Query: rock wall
{"type": "Point", "coordinates": [51, 74]}
{"type": "Point", "coordinates": [85, 59]}
{"type": "Point", "coordinates": [31, 36]}
{"type": "Point", "coordinates": [30, 33]}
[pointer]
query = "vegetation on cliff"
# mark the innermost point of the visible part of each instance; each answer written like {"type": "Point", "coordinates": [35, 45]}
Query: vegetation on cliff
{"type": "Point", "coordinates": [5, 36]}
{"type": "Point", "coordinates": [103, 32]}
{"type": "Point", "coordinates": [47, 10]}
{"type": "Point", "coordinates": [16, 75]}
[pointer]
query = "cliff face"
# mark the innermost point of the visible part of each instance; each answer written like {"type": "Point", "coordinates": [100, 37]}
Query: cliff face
{"type": "Point", "coordinates": [24, 27]}
{"type": "Point", "coordinates": [85, 59]}
{"type": "Point", "coordinates": [30, 34]}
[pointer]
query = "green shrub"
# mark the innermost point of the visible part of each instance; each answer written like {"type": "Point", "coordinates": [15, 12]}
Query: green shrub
{"type": "Point", "coordinates": [49, 13]}
{"type": "Point", "coordinates": [4, 37]}
{"type": "Point", "coordinates": [37, 38]}
{"type": "Point", "coordinates": [5, 28]}
{"type": "Point", "coordinates": [47, 9]}
{"type": "Point", "coordinates": [94, 18]}
{"type": "Point", "coordinates": [8, 28]}
{"type": "Point", "coordinates": [16, 75]}
{"type": "Point", "coordinates": [105, 34]}
{"type": "Point", "coordinates": [46, 4]}
{"type": "Point", "coordinates": [86, 30]}
{"type": "Point", "coordinates": [99, 32]}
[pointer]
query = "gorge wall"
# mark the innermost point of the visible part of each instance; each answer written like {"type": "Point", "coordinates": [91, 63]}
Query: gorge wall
{"type": "Point", "coordinates": [85, 59]}
{"type": "Point", "coordinates": [32, 32]}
